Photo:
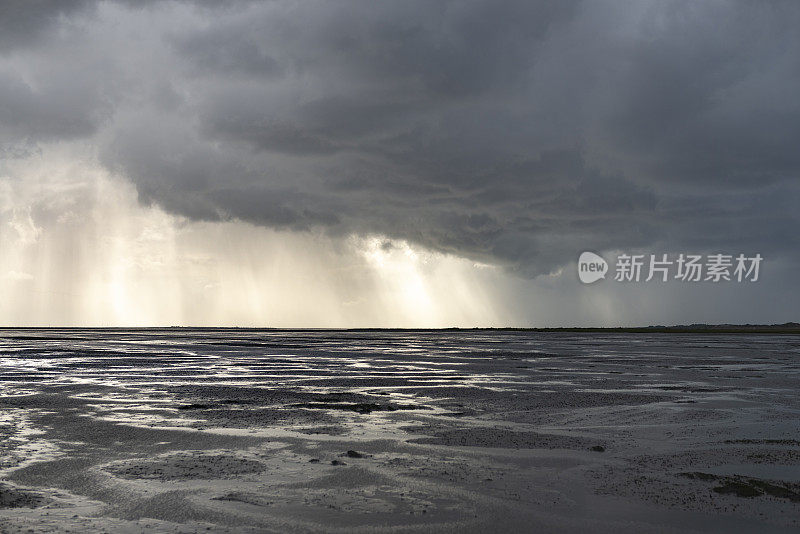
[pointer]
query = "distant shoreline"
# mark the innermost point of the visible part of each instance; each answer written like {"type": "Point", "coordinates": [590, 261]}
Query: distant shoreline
{"type": "Point", "coordinates": [785, 328]}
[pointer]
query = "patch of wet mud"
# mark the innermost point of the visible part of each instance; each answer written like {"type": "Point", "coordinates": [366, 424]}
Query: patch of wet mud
{"type": "Point", "coordinates": [186, 465]}
{"type": "Point", "coordinates": [11, 497]}
{"type": "Point", "coordinates": [361, 407]}
{"type": "Point", "coordinates": [742, 486]}
{"type": "Point", "coordinates": [499, 438]}
{"type": "Point", "coordinates": [257, 417]}
{"type": "Point", "coordinates": [328, 430]}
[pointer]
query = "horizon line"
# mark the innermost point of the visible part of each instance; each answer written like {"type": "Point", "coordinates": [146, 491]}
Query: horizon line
{"type": "Point", "coordinates": [787, 327]}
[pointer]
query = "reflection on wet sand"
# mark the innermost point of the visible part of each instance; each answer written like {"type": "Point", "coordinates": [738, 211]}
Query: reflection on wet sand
{"type": "Point", "coordinates": [181, 430]}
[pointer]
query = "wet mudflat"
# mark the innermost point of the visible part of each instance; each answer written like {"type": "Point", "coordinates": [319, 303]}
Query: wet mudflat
{"type": "Point", "coordinates": [182, 430]}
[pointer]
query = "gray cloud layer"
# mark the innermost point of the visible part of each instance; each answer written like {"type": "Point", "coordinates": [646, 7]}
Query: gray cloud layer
{"type": "Point", "coordinates": [518, 132]}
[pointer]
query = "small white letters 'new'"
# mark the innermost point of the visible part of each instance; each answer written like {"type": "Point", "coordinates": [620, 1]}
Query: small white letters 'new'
{"type": "Point", "coordinates": [591, 267]}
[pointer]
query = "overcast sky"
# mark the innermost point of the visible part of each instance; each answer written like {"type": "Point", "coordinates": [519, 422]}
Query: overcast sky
{"type": "Point", "coordinates": [398, 163]}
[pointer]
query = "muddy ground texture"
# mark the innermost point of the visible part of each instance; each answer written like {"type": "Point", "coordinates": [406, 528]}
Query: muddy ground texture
{"type": "Point", "coordinates": [287, 431]}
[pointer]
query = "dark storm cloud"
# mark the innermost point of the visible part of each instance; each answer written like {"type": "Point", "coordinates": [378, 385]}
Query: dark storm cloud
{"type": "Point", "coordinates": [227, 52]}
{"type": "Point", "coordinates": [61, 110]}
{"type": "Point", "coordinates": [518, 133]}
{"type": "Point", "coordinates": [24, 21]}
{"type": "Point", "coordinates": [707, 98]}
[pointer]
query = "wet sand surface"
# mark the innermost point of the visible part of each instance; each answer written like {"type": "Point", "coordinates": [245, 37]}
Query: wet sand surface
{"type": "Point", "coordinates": [398, 431]}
